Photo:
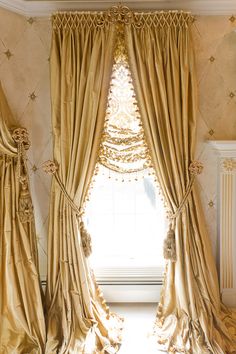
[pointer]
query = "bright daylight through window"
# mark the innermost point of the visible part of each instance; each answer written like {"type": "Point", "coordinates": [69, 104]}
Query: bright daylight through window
{"type": "Point", "coordinates": [125, 214]}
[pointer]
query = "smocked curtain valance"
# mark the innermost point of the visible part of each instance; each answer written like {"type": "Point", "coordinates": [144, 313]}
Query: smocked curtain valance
{"type": "Point", "coordinates": [21, 311]}
{"type": "Point", "coordinates": [121, 15]}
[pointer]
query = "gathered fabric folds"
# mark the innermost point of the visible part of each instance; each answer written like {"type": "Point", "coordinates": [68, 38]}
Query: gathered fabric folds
{"type": "Point", "coordinates": [190, 317]}
{"type": "Point", "coordinates": [22, 324]}
{"type": "Point", "coordinates": [78, 319]}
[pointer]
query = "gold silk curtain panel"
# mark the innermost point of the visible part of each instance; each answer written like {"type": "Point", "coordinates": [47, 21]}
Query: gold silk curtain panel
{"type": "Point", "coordinates": [190, 316]}
{"type": "Point", "coordinates": [78, 320]}
{"type": "Point", "coordinates": [22, 324]}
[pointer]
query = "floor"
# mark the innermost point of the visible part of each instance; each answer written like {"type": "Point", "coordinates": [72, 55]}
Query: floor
{"type": "Point", "coordinates": [139, 319]}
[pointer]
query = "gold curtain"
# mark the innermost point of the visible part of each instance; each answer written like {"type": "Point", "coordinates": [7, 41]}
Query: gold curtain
{"type": "Point", "coordinates": [190, 317]}
{"type": "Point", "coordinates": [78, 319]}
{"type": "Point", "coordinates": [21, 317]}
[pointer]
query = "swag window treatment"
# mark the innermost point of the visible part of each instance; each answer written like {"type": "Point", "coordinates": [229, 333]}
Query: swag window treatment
{"type": "Point", "coordinates": [21, 318]}
{"type": "Point", "coordinates": [190, 316]}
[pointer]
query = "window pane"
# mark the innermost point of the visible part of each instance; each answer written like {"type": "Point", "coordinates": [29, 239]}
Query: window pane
{"type": "Point", "coordinates": [126, 221]}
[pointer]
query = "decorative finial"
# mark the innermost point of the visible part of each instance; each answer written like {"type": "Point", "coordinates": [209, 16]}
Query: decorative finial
{"type": "Point", "coordinates": [120, 14]}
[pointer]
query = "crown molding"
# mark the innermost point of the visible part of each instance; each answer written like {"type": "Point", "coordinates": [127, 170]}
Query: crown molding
{"type": "Point", "coordinates": [225, 148]}
{"type": "Point", "coordinates": [41, 8]}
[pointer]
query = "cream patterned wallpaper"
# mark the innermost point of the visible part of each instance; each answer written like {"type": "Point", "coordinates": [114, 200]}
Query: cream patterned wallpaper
{"type": "Point", "coordinates": [24, 72]}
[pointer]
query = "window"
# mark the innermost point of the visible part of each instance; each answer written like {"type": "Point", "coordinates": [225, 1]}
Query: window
{"type": "Point", "coordinates": [127, 222]}
{"type": "Point", "coordinates": [125, 214]}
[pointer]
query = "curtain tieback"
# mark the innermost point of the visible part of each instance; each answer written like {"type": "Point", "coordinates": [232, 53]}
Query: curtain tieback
{"type": "Point", "coordinates": [21, 138]}
{"type": "Point", "coordinates": [195, 169]}
{"type": "Point", "coordinates": [50, 167]}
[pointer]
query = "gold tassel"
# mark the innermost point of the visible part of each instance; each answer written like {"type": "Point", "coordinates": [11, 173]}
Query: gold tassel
{"type": "Point", "coordinates": [21, 138]}
{"type": "Point", "coordinates": [169, 246]}
{"type": "Point", "coordinates": [85, 239]}
{"type": "Point", "coordinates": [26, 213]}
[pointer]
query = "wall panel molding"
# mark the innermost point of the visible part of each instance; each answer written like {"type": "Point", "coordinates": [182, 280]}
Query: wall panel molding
{"type": "Point", "coordinates": [226, 151]}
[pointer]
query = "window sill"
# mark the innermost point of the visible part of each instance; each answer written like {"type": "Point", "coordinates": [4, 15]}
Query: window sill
{"type": "Point", "coordinates": [131, 293]}
{"type": "Point", "coordinates": [129, 274]}
{"type": "Point", "coordinates": [130, 284]}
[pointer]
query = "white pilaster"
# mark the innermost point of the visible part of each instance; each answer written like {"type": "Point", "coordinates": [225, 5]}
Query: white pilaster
{"type": "Point", "coordinates": [226, 227]}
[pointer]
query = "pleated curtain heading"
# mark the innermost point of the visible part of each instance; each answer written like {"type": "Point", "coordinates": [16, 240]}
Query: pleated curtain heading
{"type": "Point", "coordinates": [190, 316]}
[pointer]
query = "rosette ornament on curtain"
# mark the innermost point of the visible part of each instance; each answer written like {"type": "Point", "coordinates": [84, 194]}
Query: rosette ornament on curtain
{"type": "Point", "coordinates": [22, 325]}
{"type": "Point", "coordinates": [78, 320]}
{"type": "Point", "coordinates": [190, 316]}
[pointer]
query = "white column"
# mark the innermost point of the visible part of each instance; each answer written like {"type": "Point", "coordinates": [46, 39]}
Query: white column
{"type": "Point", "coordinates": [226, 227]}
